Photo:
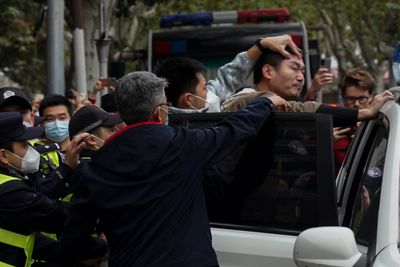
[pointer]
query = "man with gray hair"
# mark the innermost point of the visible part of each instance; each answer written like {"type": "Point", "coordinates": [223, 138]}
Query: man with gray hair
{"type": "Point", "coordinates": [143, 188]}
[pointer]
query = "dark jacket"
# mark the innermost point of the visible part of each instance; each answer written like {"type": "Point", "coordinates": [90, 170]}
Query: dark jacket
{"type": "Point", "coordinates": [145, 186]}
{"type": "Point", "coordinates": [24, 210]}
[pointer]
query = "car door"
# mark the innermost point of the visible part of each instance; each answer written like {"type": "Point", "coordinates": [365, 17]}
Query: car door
{"type": "Point", "coordinates": [368, 190]}
{"type": "Point", "coordinates": [267, 191]}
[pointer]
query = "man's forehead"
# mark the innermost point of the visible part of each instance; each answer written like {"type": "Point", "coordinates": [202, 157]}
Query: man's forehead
{"type": "Point", "coordinates": [295, 59]}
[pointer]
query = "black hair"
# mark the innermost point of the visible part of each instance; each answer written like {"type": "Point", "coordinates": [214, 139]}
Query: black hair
{"type": "Point", "coordinates": [268, 57]}
{"type": "Point", "coordinates": [181, 74]}
{"type": "Point", "coordinates": [55, 100]}
{"type": "Point", "coordinates": [7, 146]}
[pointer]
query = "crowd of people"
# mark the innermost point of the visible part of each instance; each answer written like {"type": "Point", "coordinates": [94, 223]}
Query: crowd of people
{"type": "Point", "coordinates": [81, 184]}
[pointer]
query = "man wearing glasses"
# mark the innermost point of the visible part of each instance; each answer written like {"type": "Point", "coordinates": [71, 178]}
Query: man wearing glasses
{"type": "Point", "coordinates": [357, 90]}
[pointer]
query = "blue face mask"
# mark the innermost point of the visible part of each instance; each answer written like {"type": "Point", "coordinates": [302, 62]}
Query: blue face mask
{"type": "Point", "coordinates": [57, 130]}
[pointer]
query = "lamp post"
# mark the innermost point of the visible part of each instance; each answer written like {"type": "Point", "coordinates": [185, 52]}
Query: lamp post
{"type": "Point", "coordinates": [103, 47]}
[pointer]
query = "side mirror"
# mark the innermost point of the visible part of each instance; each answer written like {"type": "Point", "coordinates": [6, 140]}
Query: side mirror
{"type": "Point", "coordinates": [326, 246]}
{"type": "Point", "coordinates": [396, 63]}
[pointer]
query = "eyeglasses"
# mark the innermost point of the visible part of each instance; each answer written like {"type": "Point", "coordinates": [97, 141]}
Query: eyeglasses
{"type": "Point", "coordinates": [353, 99]}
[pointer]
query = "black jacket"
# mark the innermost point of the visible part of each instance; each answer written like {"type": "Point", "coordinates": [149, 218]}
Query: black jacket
{"type": "Point", "coordinates": [145, 187]}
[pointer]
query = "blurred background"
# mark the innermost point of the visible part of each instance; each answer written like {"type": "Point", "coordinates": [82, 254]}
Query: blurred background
{"type": "Point", "coordinates": [351, 33]}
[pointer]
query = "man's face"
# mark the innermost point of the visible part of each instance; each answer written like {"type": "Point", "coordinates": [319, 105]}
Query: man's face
{"type": "Point", "coordinates": [54, 113]}
{"type": "Point", "coordinates": [357, 97]}
{"type": "Point", "coordinates": [27, 114]}
{"type": "Point", "coordinates": [105, 132]}
{"type": "Point", "coordinates": [201, 91]}
{"type": "Point", "coordinates": [196, 100]}
{"type": "Point", "coordinates": [287, 80]}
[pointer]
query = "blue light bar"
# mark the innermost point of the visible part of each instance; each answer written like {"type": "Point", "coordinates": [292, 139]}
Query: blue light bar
{"type": "Point", "coordinates": [196, 19]}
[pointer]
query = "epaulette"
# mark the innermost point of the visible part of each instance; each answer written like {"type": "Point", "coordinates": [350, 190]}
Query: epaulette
{"type": "Point", "coordinates": [47, 148]}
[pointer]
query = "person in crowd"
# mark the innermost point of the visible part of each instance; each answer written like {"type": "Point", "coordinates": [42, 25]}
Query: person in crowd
{"type": "Point", "coordinates": [357, 89]}
{"type": "Point", "coordinates": [36, 99]}
{"type": "Point", "coordinates": [151, 208]}
{"type": "Point", "coordinates": [77, 99]}
{"type": "Point", "coordinates": [274, 74]}
{"type": "Point", "coordinates": [108, 103]}
{"type": "Point", "coordinates": [14, 99]}
{"type": "Point", "coordinates": [188, 89]}
{"type": "Point", "coordinates": [56, 111]}
{"type": "Point", "coordinates": [24, 210]}
{"type": "Point", "coordinates": [52, 178]}
{"type": "Point", "coordinates": [59, 156]}
{"type": "Point", "coordinates": [98, 123]}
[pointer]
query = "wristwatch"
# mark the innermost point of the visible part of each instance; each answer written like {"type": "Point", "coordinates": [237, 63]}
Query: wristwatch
{"type": "Point", "coordinates": [260, 46]}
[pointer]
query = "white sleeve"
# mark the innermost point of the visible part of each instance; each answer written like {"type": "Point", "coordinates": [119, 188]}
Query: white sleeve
{"type": "Point", "coordinates": [231, 76]}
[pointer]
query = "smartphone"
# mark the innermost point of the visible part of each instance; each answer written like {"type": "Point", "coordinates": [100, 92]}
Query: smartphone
{"type": "Point", "coordinates": [326, 63]}
{"type": "Point", "coordinates": [111, 81]}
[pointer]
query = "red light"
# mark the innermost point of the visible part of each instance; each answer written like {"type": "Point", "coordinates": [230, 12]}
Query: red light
{"type": "Point", "coordinates": [298, 40]}
{"type": "Point", "coordinates": [263, 15]}
{"type": "Point", "coordinates": [162, 48]}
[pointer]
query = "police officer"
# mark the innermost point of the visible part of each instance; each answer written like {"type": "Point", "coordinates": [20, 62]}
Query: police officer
{"type": "Point", "coordinates": [24, 210]}
{"type": "Point", "coordinates": [55, 171]}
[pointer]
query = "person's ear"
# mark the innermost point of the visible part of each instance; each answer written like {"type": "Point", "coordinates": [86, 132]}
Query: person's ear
{"type": "Point", "coordinates": [157, 115]}
{"type": "Point", "coordinates": [185, 101]}
{"type": "Point", "coordinates": [267, 71]}
{"type": "Point", "coordinates": [3, 157]}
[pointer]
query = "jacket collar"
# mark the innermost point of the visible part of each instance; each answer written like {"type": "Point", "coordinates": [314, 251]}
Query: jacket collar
{"type": "Point", "coordinates": [129, 127]}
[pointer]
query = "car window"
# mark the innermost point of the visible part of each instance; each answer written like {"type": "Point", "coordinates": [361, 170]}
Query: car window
{"type": "Point", "coordinates": [271, 181]}
{"type": "Point", "coordinates": [364, 212]}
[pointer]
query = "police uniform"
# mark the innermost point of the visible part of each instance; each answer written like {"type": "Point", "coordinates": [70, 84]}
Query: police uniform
{"type": "Point", "coordinates": [26, 211]}
{"type": "Point", "coordinates": [23, 210]}
{"type": "Point", "coordinates": [54, 178]}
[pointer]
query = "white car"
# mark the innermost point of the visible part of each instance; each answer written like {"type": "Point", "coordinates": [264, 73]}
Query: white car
{"type": "Point", "coordinates": [281, 204]}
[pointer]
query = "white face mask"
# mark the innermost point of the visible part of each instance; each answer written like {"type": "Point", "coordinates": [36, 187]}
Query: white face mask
{"type": "Point", "coordinates": [30, 162]}
{"type": "Point", "coordinates": [213, 102]}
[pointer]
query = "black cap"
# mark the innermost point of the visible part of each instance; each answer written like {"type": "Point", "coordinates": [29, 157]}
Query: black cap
{"type": "Point", "coordinates": [12, 128]}
{"type": "Point", "coordinates": [14, 95]}
{"type": "Point", "coordinates": [108, 103]}
{"type": "Point", "coordinates": [89, 118]}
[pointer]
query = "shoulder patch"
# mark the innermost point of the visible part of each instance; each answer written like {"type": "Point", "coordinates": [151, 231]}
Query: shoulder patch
{"type": "Point", "coordinates": [47, 148]}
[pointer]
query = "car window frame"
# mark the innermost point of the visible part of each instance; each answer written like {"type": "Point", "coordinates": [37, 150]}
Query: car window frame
{"type": "Point", "coordinates": [326, 188]}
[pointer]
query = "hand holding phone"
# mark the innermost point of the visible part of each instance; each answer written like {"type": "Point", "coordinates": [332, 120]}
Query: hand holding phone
{"type": "Point", "coordinates": [110, 81]}
{"type": "Point", "coordinates": [326, 63]}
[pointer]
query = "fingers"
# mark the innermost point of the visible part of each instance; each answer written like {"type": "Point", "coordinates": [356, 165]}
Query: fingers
{"type": "Point", "coordinates": [79, 138]}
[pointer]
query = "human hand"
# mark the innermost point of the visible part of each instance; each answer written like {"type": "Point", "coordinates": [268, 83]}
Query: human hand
{"type": "Point", "coordinates": [303, 179]}
{"type": "Point", "coordinates": [340, 133]}
{"type": "Point", "coordinates": [74, 148]}
{"type": "Point", "coordinates": [365, 200]}
{"type": "Point", "coordinates": [280, 104]}
{"type": "Point", "coordinates": [322, 76]}
{"type": "Point", "coordinates": [279, 44]}
{"type": "Point", "coordinates": [377, 102]}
